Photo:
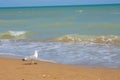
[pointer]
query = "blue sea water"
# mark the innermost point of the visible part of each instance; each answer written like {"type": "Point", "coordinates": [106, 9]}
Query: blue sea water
{"type": "Point", "coordinates": [80, 35]}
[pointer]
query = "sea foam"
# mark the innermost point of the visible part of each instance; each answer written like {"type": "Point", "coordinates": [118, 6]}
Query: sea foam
{"type": "Point", "coordinates": [13, 34]}
{"type": "Point", "coordinates": [87, 38]}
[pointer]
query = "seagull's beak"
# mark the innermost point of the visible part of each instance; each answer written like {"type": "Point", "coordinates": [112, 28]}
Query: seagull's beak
{"type": "Point", "coordinates": [37, 50]}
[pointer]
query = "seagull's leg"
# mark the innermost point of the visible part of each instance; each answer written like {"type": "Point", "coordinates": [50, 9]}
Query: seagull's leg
{"type": "Point", "coordinates": [35, 61]}
{"type": "Point", "coordinates": [32, 61]}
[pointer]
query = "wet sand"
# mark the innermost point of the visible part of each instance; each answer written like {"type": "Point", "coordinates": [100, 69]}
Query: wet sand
{"type": "Point", "coordinates": [16, 69]}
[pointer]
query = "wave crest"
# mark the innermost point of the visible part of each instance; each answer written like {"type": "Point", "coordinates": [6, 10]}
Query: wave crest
{"type": "Point", "coordinates": [13, 34]}
{"type": "Point", "coordinates": [95, 39]}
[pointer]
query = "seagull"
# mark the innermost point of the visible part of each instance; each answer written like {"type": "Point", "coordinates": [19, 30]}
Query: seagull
{"type": "Point", "coordinates": [32, 58]}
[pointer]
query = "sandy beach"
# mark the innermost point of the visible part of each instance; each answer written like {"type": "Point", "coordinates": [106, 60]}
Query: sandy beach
{"type": "Point", "coordinates": [16, 69]}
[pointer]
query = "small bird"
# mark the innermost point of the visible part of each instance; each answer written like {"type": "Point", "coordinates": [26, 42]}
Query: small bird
{"type": "Point", "coordinates": [32, 58]}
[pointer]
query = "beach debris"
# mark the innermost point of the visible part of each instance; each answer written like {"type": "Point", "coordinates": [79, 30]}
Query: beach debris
{"type": "Point", "coordinates": [43, 75]}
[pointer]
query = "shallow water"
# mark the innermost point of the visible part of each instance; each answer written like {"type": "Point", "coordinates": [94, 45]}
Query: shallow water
{"type": "Point", "coordinates": [79, 53]}
{"type": "Point", "coordinates": [50, 22]}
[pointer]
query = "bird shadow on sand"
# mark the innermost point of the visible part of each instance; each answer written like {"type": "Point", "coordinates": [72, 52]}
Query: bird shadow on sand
{"type": "Point", "coordinates": [30, 63]}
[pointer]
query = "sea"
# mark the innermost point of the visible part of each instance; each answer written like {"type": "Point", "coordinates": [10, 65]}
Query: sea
{"type": "Point", "coordinates": [87, 35]}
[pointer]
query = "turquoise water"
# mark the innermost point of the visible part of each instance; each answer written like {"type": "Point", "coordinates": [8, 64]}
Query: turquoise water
{"type": "Point", "coordinates": [79, 35]}
{"type": "Point", "coordinates": [47, 22]}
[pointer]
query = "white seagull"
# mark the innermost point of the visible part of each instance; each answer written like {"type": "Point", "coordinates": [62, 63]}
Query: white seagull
{"type": "Point", "coordinates": [32, 58]}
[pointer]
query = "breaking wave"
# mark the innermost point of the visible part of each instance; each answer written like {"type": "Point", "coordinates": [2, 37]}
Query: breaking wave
{"type": "Point", "coordinates": [24, 36]}
{"type": "Point", "coordinates": [85, 38]}
{"type": "Point", "coordinates": [13, 35]}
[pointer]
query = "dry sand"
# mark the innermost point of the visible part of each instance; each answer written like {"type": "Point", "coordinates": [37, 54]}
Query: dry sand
{"type": "Point", "coordinates": [16, 69]}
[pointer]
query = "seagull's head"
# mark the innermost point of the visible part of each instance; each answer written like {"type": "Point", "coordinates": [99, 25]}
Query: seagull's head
{"type": "Point", "coordinates": [36, 51]}
{"type": "Point", "coordinates": [24, 59]}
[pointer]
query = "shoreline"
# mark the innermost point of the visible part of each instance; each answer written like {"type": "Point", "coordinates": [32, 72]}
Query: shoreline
{"type": "Point", "coordinates": [12, 56]}
{"type": "Point", "coordinates": [16, 69]}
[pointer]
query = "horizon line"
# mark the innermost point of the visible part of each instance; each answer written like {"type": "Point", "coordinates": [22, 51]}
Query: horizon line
{"type": "Point", "coordinates": [60, 5]}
